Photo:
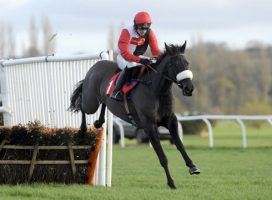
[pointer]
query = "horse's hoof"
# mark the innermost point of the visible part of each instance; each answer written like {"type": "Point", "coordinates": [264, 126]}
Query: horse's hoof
{"type": "Point", "coordinates": [97, 124]}
{"type": "Point", "coordinates": [194, 170]}
{"type": "Point", "coordinates": [171, 185]}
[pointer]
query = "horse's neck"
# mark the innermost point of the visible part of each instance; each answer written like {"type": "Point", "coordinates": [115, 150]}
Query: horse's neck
{"type": "Point", "coordinates": [162, 88]}
{"type": "Point", "coordinates": [160, 85]}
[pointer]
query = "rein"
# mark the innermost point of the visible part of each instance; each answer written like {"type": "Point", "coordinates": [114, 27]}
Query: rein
{"type": "Point", "coordinates": [161, 74]}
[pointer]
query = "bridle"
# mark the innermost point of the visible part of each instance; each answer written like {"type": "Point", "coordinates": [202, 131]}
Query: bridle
{"type": "Point", "coordinates": [164, 75]}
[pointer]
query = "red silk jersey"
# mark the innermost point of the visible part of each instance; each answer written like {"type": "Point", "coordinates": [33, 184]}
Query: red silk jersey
{"type": "Point", "coordinates": [131, 45]}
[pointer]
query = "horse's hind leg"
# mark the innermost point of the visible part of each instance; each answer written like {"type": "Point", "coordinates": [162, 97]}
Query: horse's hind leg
{"type": "Point", "coordinates": [98, 123]}
{"type": "Point", "coordinates": [83, 126]}
{"type": "Point", "coordinates": [172, 125]}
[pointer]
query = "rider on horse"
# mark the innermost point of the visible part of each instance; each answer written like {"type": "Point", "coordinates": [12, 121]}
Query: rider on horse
{"type": "Point", "coordinates": [133, 43]}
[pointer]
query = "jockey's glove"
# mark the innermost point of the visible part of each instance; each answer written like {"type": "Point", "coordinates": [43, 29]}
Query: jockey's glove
{"type": "Point", "coordinates": [145, 61]}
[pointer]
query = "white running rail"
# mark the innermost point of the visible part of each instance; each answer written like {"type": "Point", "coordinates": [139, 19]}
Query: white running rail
{"type": "Point", "coordinates": [239, 118]}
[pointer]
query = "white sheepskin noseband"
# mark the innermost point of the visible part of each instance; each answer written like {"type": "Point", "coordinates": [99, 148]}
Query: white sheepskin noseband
{"type": "Point", "coordinates": [184, 74]}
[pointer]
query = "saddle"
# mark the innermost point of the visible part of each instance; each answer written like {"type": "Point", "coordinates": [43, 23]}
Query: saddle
{"type": "Point", "coordinates": [127, 87]}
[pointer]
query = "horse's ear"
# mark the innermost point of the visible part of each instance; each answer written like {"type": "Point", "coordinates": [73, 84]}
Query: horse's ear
{"type": "Point", "coordinates": [167, 48]}
{"type": "Point", "coordinates": [183, 47]}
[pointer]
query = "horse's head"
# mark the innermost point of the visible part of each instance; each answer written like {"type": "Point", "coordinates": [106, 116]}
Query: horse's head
{"type": "Point", "coordinates": [177, 68]}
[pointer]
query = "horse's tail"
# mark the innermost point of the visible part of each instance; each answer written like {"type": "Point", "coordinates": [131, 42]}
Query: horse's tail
{"type": "Point", "coordinates": [75, 105]}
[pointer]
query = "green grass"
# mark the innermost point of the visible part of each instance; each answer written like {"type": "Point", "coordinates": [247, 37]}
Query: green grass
{"type": "Point", "coordinates": [228, 172]}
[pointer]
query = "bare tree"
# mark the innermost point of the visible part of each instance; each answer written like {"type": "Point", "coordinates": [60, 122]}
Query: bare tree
{"type": "Point", "coordinates": [2, 41]}
{"type": "Point", "coordinates": [199, 61]}
{"type": "Point", "coordinates": [227, 81]}
{"type": "Point", "coordinates": [264, 75]}
{"type": "Point", "coordinates": [49, 37]}
{"type": "Point", "coordinates": [11, 45]}
{"type": "Point", "coordinates": [33, 50]}
{"type": "Point", "coordinates": [7, 42]}
{"type": "Point", "coordinates": [111, 38]}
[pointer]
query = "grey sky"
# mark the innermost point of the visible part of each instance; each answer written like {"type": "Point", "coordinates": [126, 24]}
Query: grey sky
{"type": "Point", "coordinates": [83, 25]}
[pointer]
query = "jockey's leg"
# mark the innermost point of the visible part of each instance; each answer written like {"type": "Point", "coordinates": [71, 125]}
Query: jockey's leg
{"type": "Point", "coordinates": [125, 74]}
{"type": "Point", "coordinates": [117, 93]}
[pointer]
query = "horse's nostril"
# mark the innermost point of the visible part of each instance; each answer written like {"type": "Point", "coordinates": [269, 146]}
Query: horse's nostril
{"type": "Point", "coordinates": [187, 91]}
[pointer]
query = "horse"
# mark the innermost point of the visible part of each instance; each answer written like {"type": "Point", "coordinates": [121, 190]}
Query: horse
{"type": "Point", "coordinates": [151, 99]}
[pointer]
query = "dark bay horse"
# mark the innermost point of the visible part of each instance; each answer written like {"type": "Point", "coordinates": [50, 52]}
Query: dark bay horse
{"type": "Point", "coordinates": [152, 102]}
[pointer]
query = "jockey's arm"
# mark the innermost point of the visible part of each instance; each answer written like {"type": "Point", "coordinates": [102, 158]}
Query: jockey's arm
{"type": "Point", "coordinates": [123, 45]}
{"type": "Point", "coordinates": [153, 43]}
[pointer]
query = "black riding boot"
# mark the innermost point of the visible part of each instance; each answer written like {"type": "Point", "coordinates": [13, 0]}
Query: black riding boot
{"type": "Point", "coordinates": [117, 93]}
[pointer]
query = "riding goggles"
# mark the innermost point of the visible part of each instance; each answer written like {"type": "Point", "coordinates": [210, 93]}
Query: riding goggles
{"type": "Point", "coordinates": [143, 26]}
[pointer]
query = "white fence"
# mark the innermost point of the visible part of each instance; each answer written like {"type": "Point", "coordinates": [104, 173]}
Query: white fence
{"type": "Point", "coordinates": [206, 119]}
{"type": "Point", "coordinates": [238, 118]}
{"type": "Point", "coordinates": [40, 89]}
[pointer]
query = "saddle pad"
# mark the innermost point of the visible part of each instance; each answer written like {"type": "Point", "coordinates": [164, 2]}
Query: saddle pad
{"type": "Point", "coordinates": [126, 88]}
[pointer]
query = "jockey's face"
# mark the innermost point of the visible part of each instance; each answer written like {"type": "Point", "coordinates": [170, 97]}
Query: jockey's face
{"type": "Point", "coordinates": [141, 32]}
{"type": "Point", "coordinates": [142, 29]}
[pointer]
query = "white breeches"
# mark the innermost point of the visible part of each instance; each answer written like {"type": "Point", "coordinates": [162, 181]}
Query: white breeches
{"type": "Point", "coordinates": [122, 63]}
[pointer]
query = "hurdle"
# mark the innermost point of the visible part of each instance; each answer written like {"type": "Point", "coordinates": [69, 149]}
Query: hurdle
{"type": "Point", "coordinates": [39, 88]}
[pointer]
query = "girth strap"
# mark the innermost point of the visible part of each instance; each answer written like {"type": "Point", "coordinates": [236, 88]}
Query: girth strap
{"type": "Point", "coordinates": [128, 113]}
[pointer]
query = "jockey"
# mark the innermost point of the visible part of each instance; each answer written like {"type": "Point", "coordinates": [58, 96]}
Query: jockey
{"type": "Point", "coordinates": [132, 44]}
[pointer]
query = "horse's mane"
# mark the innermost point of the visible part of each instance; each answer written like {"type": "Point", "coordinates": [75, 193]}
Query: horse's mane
{"type": "Point", "coordinates": [174, 49]}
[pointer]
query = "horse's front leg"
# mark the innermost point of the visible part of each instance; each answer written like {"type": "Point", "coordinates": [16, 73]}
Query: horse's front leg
{"type": "Point", "coordinates": [172, 125]}
{"type": "Point", "coordinates": [151, 130]}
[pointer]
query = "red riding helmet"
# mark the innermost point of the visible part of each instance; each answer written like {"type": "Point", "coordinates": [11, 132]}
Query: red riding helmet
{"type": "Point", "coordinates": [142, 18]}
